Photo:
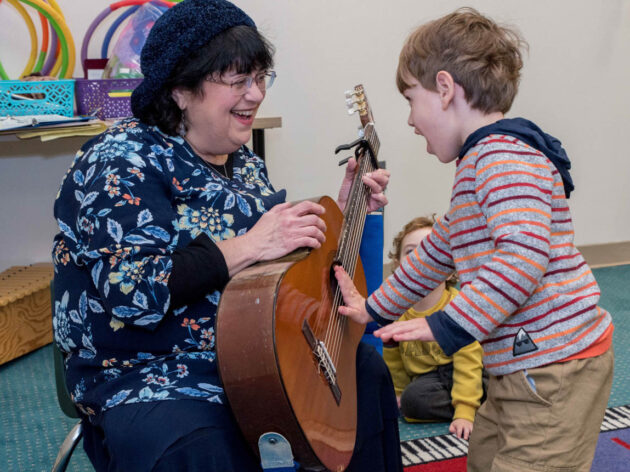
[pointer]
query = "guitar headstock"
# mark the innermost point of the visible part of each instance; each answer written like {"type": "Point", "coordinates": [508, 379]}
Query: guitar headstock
{"type": "Point", "coordinates": [356, 101]}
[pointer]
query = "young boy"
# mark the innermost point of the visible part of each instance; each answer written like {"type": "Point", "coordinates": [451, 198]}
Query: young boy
{"type": "Point", "coordinates": [526, 292]}
{"type": "Point", "coordinates": [429, 385]}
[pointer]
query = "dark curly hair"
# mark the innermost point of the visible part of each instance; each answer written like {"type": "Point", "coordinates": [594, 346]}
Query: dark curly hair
{"type": "Point", "coordinates": [420, 222]}
{"type": "Point", "coordinates": [241, 49]}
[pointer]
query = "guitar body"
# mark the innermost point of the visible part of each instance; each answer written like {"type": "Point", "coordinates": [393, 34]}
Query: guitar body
{"type": "Point", "coordinates": [270, 373]}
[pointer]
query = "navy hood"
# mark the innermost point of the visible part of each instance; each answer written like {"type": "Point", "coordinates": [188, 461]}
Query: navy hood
{"type": "Point", "coordinates": [530, 134]}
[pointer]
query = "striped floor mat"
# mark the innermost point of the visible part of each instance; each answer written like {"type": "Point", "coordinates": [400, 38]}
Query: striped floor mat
{"type": "Point", "coordinates": [439, 448]}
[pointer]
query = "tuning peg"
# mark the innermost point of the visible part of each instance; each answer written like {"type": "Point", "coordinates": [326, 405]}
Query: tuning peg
{"type": "Point", "coordinates": [350, 93]}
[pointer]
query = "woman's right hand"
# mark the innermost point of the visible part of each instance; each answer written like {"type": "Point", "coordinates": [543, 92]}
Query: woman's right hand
{"type": "Point", "coordinates": [287, 227]}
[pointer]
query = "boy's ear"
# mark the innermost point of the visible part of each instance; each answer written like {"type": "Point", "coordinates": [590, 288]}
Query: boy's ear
{"type": "Point", "coordinates": [445, 87]}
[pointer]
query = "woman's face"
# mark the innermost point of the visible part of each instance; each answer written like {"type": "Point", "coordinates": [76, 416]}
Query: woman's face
{"type": "Point", "coordinates": [220, 119]}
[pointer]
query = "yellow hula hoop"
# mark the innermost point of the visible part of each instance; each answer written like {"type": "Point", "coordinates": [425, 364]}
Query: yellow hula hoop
{"type": "Point", "coordinates": [57, 64]}
{"type": "Point", "coordinates": [65, 37]}
{"type": "Point", "coordinates": [33, 34]}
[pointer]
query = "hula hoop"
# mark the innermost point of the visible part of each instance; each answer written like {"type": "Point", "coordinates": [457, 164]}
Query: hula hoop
{"type": "Point", "coordinates": [32, 33]}
{"type": "Point", "coordinates": [65, 37]}
{"type": "Point", "coordinates": [45, 39]}
{"type": "Point", "coordinates": [102, 15]}
{"type": "Point", "coordinates": [54, 53]}
{"type": "Point", "coordinates": [112, 29]}
{"type": "Point", "coordinates": [57, 63]}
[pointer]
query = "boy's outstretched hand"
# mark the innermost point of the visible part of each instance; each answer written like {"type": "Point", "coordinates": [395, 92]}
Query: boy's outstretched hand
{"type": "Point", "coordinates": [354, 303]}
{"type": "Point", "coordinates": [408, 330]}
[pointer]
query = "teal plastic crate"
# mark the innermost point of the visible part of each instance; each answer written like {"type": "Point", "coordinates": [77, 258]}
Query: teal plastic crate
{"type": "Point", "coordinates": [38, 97]}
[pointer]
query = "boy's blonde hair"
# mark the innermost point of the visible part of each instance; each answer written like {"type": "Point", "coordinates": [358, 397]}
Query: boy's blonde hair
{"type": "Point", "coordinates": [483, 57]}
{"type": "Point", "coordinates": [420, 222]}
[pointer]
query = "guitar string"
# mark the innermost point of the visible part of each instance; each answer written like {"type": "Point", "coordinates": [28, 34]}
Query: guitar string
{"type": "Point", "coordinates": [356, 237]}
{"type": "Point", "coordinates": [351, 254]}
{"type": "Point", "coordinates": [332, 328]}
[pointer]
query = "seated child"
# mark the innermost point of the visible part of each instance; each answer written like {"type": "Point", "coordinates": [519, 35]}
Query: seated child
{"type": "Point", "coordinates": [429, 385]}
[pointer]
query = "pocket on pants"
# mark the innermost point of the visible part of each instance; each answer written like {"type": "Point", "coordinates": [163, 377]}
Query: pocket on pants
{"type": "Point", "coordinates": [526, 378]}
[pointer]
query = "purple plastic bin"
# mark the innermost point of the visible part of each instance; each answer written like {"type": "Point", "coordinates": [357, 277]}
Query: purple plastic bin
{"type": "Point", "coordinates": [105, 98]}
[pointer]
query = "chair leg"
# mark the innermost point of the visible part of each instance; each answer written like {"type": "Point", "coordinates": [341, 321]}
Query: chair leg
{"type": "Point", "coordinates": [67, 447]}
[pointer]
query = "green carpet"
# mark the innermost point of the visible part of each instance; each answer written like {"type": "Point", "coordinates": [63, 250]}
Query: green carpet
{"type": "Point", "coordinates": [32, 427]}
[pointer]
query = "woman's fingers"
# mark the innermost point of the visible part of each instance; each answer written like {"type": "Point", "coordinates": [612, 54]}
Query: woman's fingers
{"type": "Point", "coordinates": [306, 207]}
{"type": "Point", "coordinates": [377, 180]}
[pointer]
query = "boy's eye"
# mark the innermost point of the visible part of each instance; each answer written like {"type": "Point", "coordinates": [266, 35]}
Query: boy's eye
{"type": "Point", "coordinates": [407, 251]}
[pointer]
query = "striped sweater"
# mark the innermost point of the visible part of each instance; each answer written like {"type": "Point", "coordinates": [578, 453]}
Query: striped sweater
{"type": "Point", "coordinates": [526, 292]}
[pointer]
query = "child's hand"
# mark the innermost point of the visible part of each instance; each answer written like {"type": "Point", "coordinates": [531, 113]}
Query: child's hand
{"type": "Point", "coordinates": [461, 428]}
{"type": "Point", "coordinates": [354, 303]}
{"type": "Point", "coordinates": [409, 330]}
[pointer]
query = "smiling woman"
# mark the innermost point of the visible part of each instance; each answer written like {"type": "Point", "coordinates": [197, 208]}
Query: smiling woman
{"type": "Point", "coordinates": [155, 216]}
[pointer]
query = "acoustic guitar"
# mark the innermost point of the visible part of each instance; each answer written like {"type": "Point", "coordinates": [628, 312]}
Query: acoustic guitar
{"type": "Point", "coordinates": [286, 356]}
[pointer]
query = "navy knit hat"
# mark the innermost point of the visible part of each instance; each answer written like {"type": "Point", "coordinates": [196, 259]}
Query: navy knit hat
{"type": "Point", "coordinates": [182, 29]}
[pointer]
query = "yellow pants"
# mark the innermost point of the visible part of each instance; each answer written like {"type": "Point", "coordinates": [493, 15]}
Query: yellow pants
{"type": "Point", "coordinates": [550, 426]}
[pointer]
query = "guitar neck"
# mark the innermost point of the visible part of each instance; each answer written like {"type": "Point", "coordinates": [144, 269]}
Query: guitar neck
{"type": "Point", "coordinates": [356, 207]}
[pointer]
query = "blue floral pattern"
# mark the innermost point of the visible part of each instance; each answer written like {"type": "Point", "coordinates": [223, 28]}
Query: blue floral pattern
{"type": "Point", "coordinates": [132, 196]}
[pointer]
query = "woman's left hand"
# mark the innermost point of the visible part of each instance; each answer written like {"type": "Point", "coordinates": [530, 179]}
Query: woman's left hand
{"type": "Point", "coordinates": [377, 181]}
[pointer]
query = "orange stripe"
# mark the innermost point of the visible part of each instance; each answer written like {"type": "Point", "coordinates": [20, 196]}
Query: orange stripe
{"type": "Point", "coordinates": [559, 246]}
{"type": "Point", "coordinates": [501, 163]}
{"type": "Point", "coordinates": [506, 174]}
{"type": "Point", "coordinates": [391, 301]}
{"type": "Point", "coordinates": [462, 169]}
{"type": "Point", "coordinates": [456, 209]}
{"type": "Point", "coordinates": [466, 271]}
{"type": "Point", "coordinates": [519, 223]}
{"type": "Point", "coordinates": [474, 256]}
{"type": "Point", "coordinates": [474, 305]}
{"type": "Point", "coordinates": [563, 233]}
{"type": "Point", "coordinates": [569, 281]}
{"type": "Point", "coordinates": [465, 218]}
{"type": "Point", "coordinates": [523, 309]}
{"type": "Point", "coordinates": [524, 259]}
{"type": "Point", "coordinates": [499, 308]}
{"type": "Point", "coordinates": [516, 269]}
{"type": "Point", "coordinates": [432, 269]}
{"type": "Point", "coordinates": [389, 284]}
{"type": "Point", "coordinates": [519, 210]}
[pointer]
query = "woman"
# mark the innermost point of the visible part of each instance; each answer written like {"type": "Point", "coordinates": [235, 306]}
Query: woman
{"type": "Point", "coordinates": [156, 215]}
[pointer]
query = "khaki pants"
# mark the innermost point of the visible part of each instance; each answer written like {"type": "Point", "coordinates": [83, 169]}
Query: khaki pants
{"type": "Point", "coordinates": [553, 427]}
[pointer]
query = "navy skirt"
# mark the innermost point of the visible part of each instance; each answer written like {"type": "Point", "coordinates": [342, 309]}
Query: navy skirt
{"type": "Point", "coordinates": [190, 435]}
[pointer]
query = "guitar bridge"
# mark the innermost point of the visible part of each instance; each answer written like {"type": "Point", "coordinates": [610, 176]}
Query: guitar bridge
{"type": "Point", "coordinates": [325, 365]}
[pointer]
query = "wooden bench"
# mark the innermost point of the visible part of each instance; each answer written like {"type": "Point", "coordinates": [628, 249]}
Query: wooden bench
{"type": "Point", "coordinates": [25, 314]}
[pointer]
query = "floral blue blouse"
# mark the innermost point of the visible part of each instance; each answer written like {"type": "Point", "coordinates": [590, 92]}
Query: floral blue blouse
{"type": "Point", "coordinates": [131, 197]}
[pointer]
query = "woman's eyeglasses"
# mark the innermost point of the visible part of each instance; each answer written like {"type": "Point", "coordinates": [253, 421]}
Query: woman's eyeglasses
{"type": "Point", "coordinates": [263, 80]}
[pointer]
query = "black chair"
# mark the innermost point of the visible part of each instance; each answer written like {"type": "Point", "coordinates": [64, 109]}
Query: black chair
{"type": "Point", "coordinates": [66, 405]}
